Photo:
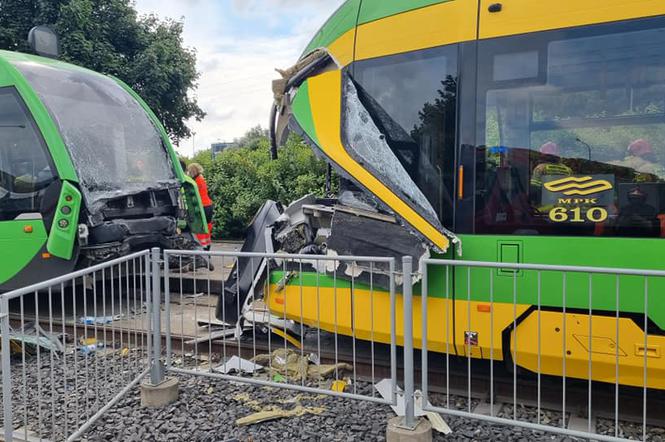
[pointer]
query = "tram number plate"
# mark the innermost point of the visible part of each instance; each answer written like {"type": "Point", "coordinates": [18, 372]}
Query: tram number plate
{"type": "Point", "coordinates": [578, 214]}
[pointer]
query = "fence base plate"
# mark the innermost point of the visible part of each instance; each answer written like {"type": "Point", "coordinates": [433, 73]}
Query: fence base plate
{"type": "Point", "coordinates": [395, 433]}
{"type": "Point", "coordinates": [159, 395]}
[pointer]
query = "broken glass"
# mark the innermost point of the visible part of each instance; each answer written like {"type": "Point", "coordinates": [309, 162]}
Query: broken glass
{"type": "Point", "coordinates": [115, 147]}
{"type": "Point", "coordinates": [365, 141]}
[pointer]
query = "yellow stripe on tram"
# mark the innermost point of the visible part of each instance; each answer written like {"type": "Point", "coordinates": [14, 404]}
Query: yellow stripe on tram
{"type": "Point", "coordinates": [445, 23]}
{"type": "Point", "coordinates": [523, 16]}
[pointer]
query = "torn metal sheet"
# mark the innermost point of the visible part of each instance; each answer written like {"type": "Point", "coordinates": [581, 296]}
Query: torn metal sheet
{"type": "Point", "coordinates": [241, 280]}
{"type": "Point", "coordinates": [221, 334]}
{"type": "Point", "coordinates": [258, 315]}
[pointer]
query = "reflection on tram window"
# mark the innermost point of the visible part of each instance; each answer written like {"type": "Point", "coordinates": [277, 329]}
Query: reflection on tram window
{"type": "Point", "coordinates": [579, 148]}
{"type": "Point", "coordinates": [413, 99]}
{"type": "Point", "coordinates": [24, 167]}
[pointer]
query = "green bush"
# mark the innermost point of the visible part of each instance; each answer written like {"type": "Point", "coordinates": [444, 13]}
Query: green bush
{"type": "Point", "coordinates": [242, 178]}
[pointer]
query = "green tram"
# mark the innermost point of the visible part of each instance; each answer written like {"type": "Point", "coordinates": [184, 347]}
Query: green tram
{"type": "Point", "coordinates": [501, 131]}
{"type": "Point", "coordinates": [87, 172]}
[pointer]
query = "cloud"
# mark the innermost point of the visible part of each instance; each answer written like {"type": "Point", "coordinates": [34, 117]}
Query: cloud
{"type": "Point", "coordinates": [239, 43]}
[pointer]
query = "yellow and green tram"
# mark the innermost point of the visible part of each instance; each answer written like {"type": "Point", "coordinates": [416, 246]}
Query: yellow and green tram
{"type": "Point", "coordinates": [511, 131]}
{"type": "Point", "coordinates": [87, 171]}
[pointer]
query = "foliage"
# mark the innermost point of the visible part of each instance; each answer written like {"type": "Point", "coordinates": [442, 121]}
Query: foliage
{"type": "Point", "coordinates": [109, 37]}
{"type": "Point", "coordinates": [242, 178]}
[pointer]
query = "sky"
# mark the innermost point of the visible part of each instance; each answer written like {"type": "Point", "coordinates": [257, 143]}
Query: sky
{"type": "Point", "coordinates": [239, 44]}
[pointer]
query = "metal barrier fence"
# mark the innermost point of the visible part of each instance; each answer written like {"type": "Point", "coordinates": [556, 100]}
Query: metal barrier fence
{"type": "Point", "coordinates": [319, 299]}
{"type": "Point", "coordinates": [522, 295]}
{"type": "Point", "coordinates": [64, 364]}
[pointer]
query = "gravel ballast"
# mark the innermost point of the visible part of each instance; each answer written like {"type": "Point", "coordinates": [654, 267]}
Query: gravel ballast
{"type": "Point", "coordinates": [208, 408]}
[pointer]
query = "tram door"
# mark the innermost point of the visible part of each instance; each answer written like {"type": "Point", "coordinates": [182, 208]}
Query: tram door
{"type": "Point", "coordinates": [409, 64]}
{"type": "Point", "coordinates": [26, 177]}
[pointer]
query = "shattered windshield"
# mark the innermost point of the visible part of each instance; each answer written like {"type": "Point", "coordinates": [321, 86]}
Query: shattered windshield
{"type": "Point", "coordinates": [114, 146]}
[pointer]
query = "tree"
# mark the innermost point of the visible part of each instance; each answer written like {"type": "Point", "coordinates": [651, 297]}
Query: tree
{"type": "Point", "coordinates": [108, 36]}
{"type": "Point", "coordinates": [242, 178]}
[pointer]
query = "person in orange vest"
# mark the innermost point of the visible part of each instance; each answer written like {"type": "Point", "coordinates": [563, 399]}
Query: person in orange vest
{"type": "Point", "coordinates": [195, 171]}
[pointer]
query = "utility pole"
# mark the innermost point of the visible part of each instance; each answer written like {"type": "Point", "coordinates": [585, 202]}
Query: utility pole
{"type": "Point", "coordinates": [193, 145]}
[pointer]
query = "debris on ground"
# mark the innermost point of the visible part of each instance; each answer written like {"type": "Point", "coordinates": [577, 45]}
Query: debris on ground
{"type": "Point", "coordinates": [385, 389]}
{"type": "Point", "coordinates": [90, 348]}
{"type": "Point", "coordinates": [277, 413]}
{"type": "Point", "coordinates": [270, 412]}
{"type": "Point", "coordinates": [296, 367]}
{"type": "Point", "coordinates": [338, 386]}
{"type": "Point", "coordinates": [236, 364]}
{"type": "Point", "coordinates": [32, 336]}
{"type": "Point", "coordinates": [98, 320]}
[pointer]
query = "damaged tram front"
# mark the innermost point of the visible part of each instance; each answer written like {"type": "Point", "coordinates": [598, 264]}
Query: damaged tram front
{"type": "Point", "coordinates": [535, 134]}
{"type": "Point", "coordinates": [87, 172]}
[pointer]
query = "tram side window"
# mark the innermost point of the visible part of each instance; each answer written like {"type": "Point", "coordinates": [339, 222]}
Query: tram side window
{"type": "Point", "coordinates": [25, 170]}
{"type": "Point", "coordinates": [572, 132]}
{"type": "Point", "coordinates": [413, 99]}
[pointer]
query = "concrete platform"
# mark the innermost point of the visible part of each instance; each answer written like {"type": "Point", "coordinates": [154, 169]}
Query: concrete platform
{"type": "Point", "coordinates": [203, 280]}
{"type": "Point", "coordinates": [189, 308]}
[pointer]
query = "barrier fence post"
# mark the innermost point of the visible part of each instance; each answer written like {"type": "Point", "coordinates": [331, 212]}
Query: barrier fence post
{"type": "Point", "coordinates": [6, 370]}
{"type": "Point", "coordinates": [156, 369]}
{"type": "Point", "coordinates": [409, 401]}
{"type": "Point", "coordinates": [159, 391]}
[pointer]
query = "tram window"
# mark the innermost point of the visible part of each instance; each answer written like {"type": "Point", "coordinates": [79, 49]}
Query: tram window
{"type": "Point", "coordinates": [579, 148]}
{"type": "Point", "coordinates": [114, 146]}
{"type": "Point", "coordinates": [413, 98]}
{"type": "Point", "coordinates": [25, 170]}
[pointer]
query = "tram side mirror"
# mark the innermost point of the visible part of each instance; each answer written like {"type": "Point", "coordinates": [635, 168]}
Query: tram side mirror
{"type": "Point", "coordinates": [44, 41]}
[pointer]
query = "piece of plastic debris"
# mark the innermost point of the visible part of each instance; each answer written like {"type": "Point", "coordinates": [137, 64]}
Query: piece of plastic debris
{"type": "Point", "coordinates": [314, 359]}
{"type": "Point", "coordinates": [338, 386]}
{"type": "Point", "coordinates": [87, 341]}
{"type": "Point", "coordinates": [89, 349]}
{"type": "Point", "coordinates": [438, 423]}
{"type": "Point", "coordinates": [97, 320]}
{"type": "Point", "coordinates": [278, 378]}
{"type": "Point", "coordinates": [236, 364]}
